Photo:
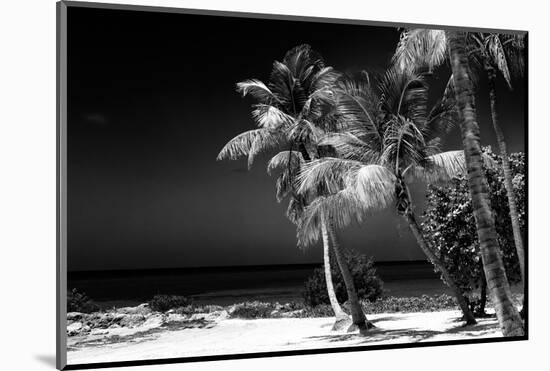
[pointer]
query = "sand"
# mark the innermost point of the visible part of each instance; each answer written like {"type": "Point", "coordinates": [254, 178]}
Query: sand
{"type": "Point", "coordinates": [236, 336]}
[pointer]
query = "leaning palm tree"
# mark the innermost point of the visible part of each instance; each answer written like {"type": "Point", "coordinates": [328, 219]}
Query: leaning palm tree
{"type": "Point", "coordinates": [508, 316]}
{"type": "Point", "coordinates": [291, 163]}
{"type": "Point", "coordinates": [391, 138]}
{"type": "Point", "coordinates": [501, 53]}
{"type": "Point", "coordinates": [288, 111]}
{"type": "Point", "coordinates": [425, 49]}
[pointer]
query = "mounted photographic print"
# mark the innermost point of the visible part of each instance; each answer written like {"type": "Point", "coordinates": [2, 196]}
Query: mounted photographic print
{"type": "Point", "coordinates": [237, 185]}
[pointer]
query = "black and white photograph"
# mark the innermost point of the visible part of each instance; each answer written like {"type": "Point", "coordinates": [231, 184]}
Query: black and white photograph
{"type": "Point", "coordinates": [241, 185]}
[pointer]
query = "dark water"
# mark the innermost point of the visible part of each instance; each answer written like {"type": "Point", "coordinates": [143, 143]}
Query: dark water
{"type": "Point", "coordinates": [227, 285]}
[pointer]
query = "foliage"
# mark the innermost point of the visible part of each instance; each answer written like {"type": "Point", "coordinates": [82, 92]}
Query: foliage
{"type": "Point", "coordinates": [162, 303]}
{"type": "Point", "coordinates": [450, 227]}
{"type": "Point", "coordinates": [367, 283]}
{"type": "Point", "coordinates": [253, 310]}
{"type": "Point", "coordinates": [291, 114]}
{"type": "Point", "coordinates": [390, 135]}
{"type": "Point", "coordinates": [422, 303]}
{"type": "Point", "coordinates": [391, 304]}
{"type": "Point", "coordinates": [80, 302]}
{"type": "Point", "coordinates": [194, 309]}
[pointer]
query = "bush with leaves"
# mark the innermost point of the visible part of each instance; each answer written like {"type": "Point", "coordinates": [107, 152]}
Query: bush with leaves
{"type": "Point", "coordinates": [80, 302]}
{"type": "Point", "coordinates": [450, 227]}
{"type": "Point", "coordinates": [367, 283]}
{"type": "Point", "coordinates": [163, 303]}
{"type": "Point", "coordinates": [252, 310]}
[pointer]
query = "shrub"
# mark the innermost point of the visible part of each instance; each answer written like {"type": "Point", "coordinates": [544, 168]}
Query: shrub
{"type": "Point", "coordinates": [162, 303]}
{"type": "Point", "coordinates": [251, 310]}
{"type": "Point", "coordinates": [450, 228]}
{"type": "Point", "coordinates": [321, 310]}
{"type": "Point", "coordinates": [79, 302]}
{"type": "Point", "coordinates": [367, 283]}
{"type": "Point", "coordinates": [422, 303]}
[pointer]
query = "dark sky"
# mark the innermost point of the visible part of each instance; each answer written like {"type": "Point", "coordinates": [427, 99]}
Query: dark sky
{"type": "Point", "coordinates": [152, 101]}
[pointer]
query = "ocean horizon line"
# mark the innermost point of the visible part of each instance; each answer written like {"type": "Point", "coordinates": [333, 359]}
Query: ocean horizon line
{"type": "Point", "coordinates": [227, 268]}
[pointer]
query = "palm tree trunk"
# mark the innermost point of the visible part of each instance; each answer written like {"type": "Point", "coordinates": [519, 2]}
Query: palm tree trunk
{"type": "Point", "coordinates": [338, 312]}
{"type": "Point", "coordinates": [357, 315]}
{"type": "Point", "coordinates": [507, 172]}
{"type": "Point", "coordinates": [507, 314]}
{"type": "Point", "coordinates": [415, 229]}
{"type": "Point", "coordinates": [482, 294]}
{"type": "Point", "coordinates": [404, 208]}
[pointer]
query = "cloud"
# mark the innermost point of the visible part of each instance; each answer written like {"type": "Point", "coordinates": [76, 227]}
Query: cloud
{"type": "Point", "coordinates": [95, 118]}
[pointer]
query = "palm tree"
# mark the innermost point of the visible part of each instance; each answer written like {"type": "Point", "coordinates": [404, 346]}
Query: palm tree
{"type": "Point", "coordinates": [425, 49]}
{"type": "Point", "coordinates": [291, 164]}
{"type": "Point", "coordinates": [288, 113]}
{"type": "Point", "coordinates": [390, 139]}
{"type": "Point", "coordinates": [508, 316]}
{"type": "Point", "coordinates": [501, 53]}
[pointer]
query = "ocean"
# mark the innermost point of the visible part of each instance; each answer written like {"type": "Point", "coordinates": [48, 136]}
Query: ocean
{"type": "Point", "coordinates": [229, 285]}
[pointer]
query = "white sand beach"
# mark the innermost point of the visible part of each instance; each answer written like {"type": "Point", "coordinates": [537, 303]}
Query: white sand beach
{"type": "Point", "coordinates": [222, 336]}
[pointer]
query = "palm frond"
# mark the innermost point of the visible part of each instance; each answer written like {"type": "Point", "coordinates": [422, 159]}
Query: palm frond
{"type": "Point", "coordinates": [404, 144]}
{"type": "Point", "coordinates": [270, 117]}
{"type": "Point", "coordinates": [420, 49]}
{"type": "Point", "coordinates": [305, 131]}
{"type": "Point", "coordinates": [317, 102]}
{"type": "Point", "coordinates": [330, 173]}
{"type": "Point", "coordinates": [439, 167]}
{"type": "Point", "coordinates": [326, 77]}
{"type": "Point", "coordinates": [250, 143]}
{"type": "Point", "coordinates": [441, 119]}
{"type": "Point", "coordinates": [281, 82]}
{"type": "Point", "coordinates": [340, 209]}
{"type": "Point", "coordinates": [375, 186]}
{"type": "Point", "coordinates": [357, 106]}
{"type": "Point", "coordinates": [498, 56]}
{"type": "Point", "coordinates": [286, 160]}
{"type": "Point", "coordinates": [348, 146]}
{"type": "Point", "coordinates": [404, 93]}
{"type": "Point", "coordinates": [295, 209]}
{"type": "Point", "coordinates": [444, 166]}
{"type": "Point", "coordinates": [514, 47]}
{"type": "Point", "coordinates": [300, 59]}
{"type": "Point", "coordinates": [283, 186]}
{"type": "Point", "coordinates": [256, 89]}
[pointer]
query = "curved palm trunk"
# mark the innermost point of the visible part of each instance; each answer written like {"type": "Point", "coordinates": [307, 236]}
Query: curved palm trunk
{"type": "Point", "coordinates": [404, 208]}
{"type": "Point", "coordinates": [358, 317]}
{"type": "Point", "coordinates": [415, 229]}
{"type": "Point", "coordinates": [482, 294]}
{"type": "Point", "coordinates": [518, 241]}
{"type": "Point", "coordinates": [507, 314]}
{"type": "Point", "coordinates": [336, 308]}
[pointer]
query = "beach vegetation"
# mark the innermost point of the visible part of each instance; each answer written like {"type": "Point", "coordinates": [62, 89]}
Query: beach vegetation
{"type": "Point", "coordinates": [163, 303]}
{"type": "Point", "coordinates": [368, 284]}
{"type": "Point", "coordinates": [78, 301]}
{"type": "Point", "coordinates": [449, 225]}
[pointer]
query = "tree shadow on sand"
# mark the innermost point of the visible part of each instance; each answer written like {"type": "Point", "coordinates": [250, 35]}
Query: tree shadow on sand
{"type": "Point", "coordinates": [143, 336]}
{"type": "Point", "coordinates": [413, 335]}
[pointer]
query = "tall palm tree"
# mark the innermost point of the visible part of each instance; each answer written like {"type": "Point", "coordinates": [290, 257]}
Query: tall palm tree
{"type": "Point", "coordinates": [390, 139]}
{"type": "Point", "coordinates": [288, 112]}
{"type": "Point", "coordinates": [501, 53]}
{"type": "Point", "coordinates": [291, 163]}
{"type": "Point", "coordinates": [508, 316]}
{"type": "Point", "coordinates": [425, 49]}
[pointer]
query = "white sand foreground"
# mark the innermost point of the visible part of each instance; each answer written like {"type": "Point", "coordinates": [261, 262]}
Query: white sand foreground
{"type": "Point", "coordinates": [231, 336]}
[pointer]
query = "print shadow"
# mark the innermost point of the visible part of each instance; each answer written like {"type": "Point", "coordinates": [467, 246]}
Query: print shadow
{"type": "Point", "coordinates": [47, 359]}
